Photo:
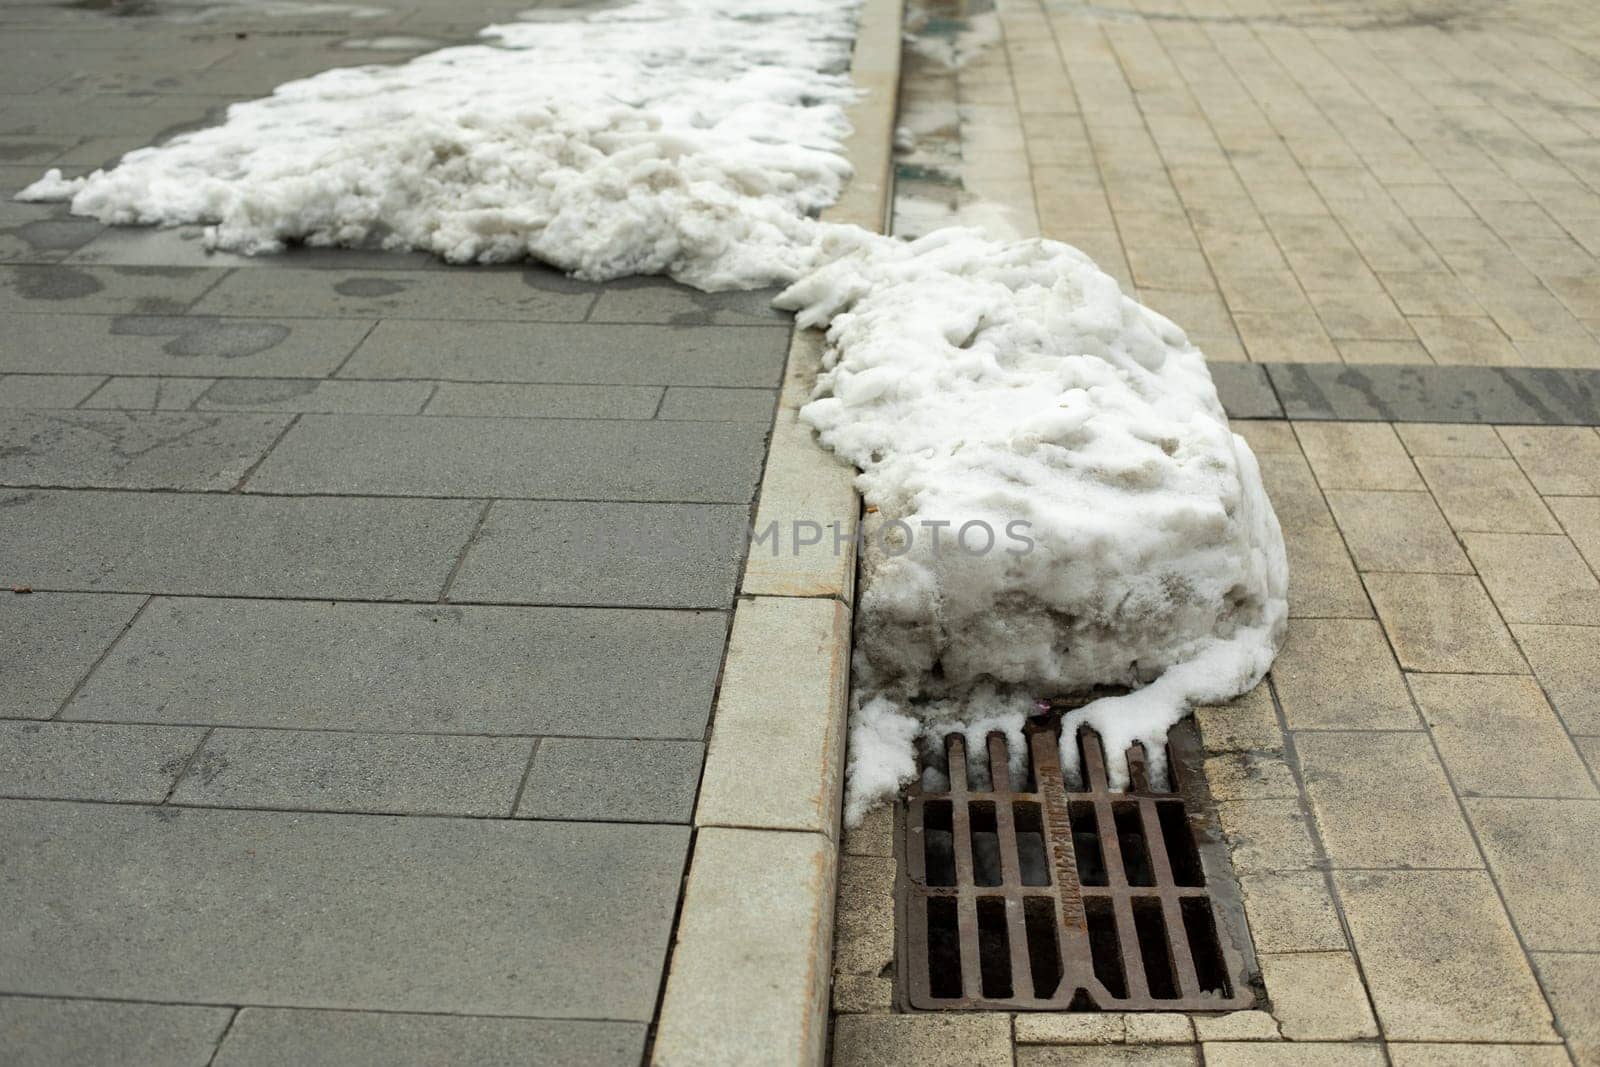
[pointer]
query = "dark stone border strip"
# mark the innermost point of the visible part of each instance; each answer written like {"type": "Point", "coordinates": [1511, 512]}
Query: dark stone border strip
{"type": "Point", "coordinates": [1538, 396]}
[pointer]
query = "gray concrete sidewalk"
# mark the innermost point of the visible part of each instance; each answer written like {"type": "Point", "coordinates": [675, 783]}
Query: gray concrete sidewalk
{"type": "Point", "coordinates": [357, 710]}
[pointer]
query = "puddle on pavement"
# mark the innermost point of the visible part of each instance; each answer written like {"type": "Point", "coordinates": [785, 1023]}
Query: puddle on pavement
{"type": "Point", "coordinates": [933, 183]}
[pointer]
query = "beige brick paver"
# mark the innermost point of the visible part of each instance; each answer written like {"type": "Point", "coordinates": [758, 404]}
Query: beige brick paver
{"type": "Point", "coordinates": [1536, 578]}
{"type": "Point", "coordinates": [1486, 495]}
{"type": "Point", "coordinates": [1443, 622]}
{"type": "Point", "coordinates": [1340, 674]}
{"type": "Point", "coordinates": [1545, 856]}
{"type": "Point", "coordinates": [1292, 911]}
{"type": "Point", "coordinates": [1397, 531]}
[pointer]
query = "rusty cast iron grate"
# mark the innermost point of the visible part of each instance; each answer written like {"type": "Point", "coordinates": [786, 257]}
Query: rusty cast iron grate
{"type": "Point", "coordinates": [1041, 895]}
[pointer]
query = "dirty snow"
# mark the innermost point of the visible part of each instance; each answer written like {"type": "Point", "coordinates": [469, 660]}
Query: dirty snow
{"type": "Point", "coordinates": [970, 379]}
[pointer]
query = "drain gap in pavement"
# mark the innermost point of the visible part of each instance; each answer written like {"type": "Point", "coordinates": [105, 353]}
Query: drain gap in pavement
{"type": "Point", "coordinates": [1018, 889]}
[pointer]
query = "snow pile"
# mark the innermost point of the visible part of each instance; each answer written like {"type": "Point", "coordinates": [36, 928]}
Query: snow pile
{"type": "Point", "coordinates": [683, 137]}
{"type": "Point", "coordinates": [990, 383]}
{"type": "Point", "coordinates": [1007, 387]}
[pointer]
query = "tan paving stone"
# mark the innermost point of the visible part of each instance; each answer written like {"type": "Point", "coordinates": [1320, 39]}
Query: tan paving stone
{"type": "Point", "coordinates": [1291, 911]}
{"type": "Point", "coordinates": [972, 1040]}
{"type": "Point", "coordinates": [1199, 313]}
{"type": "Point", "coordinates": [1465, 340]}
{"type": "Point", "coordinates": [1255, 289]}
{"type": "Point", "coordinates": [1545, 855]}
{"type": "Point", "coordinates": [1566, 660]}
{"type": "Point", "coordinates": [875, 835]}
{"type": "Point", "coordinates": [1440, 959]}
{"type": "Point", "coordinates": [1558, 460]}
{"type": "Point", "coordinates": [1381, 800]}
{"type": "Point", "coordinates": [1322, 581]}
{"type": "Point", "coordinates": [1357, 455]}
{"type": "Point", "coordinates": [1250, 776]}
{"type": "Point", "coordinates": [1443, 1055]}
{"type": "Point", "coordinates": [1266, 835]}
{"type": "Point", "coordinates": [1536, 578]}
{"type": "Point", "coordinates": [1318, 996]}
{"type": "Point", "coordinates": [1069, 1028]}
{"type": "Point", "coordinates": [1490, 495]}
{"type": "Point", "coordinates": [1293, 489]}
{"type": "Point", "coordinates": [1450, 439]}
{"type": "Point", "coordinates": [1572, 983]}
{"type": "Point", "coordinates": [1268, 437]}
{"type": "Point", "coordinates": [1339, 674]}
{"type": "Point", "coordinates": [1237, 1026]}
{"type": "Point", "coordinates": [1580, 517]}
{"type": "Point", "coordinates": [1431, 200]}
{"type": "Point", "coordinates": [1242, 1054]}
{"type": "Point", "coordinates": [1397, 531]}
{"type": "Point", "coordinates": [1245, 724]}
{"type": "Point", "coordinates": [858, 993]}
{"type": "Point", "coordinates": [1105, 1056]}
{"type": "Point", "coordinates": [1435, 294]}
{"type": "Point", "coordinates": [1403, 352]}
{"type": "Point", "coordinates": [1362, 317]}
{"type": "Point", "coordinates": [864, 916]}
{"type": "Point", "coordinates": [1480, 720]}
{"type": "Point", "coordinates": [1158, 1028]}
{"type": "Point", "coordinates": [1443, 623]}
{"type": "Point", "coordinates": [1284, 337]}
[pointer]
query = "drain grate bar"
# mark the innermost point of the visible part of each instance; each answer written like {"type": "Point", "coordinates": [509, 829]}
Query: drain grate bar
{"type": "Point", "coordinates": [1018, 890]}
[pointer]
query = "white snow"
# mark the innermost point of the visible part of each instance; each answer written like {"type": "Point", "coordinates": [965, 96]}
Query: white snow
{"type": "Point", "coordinates": [970, 379]}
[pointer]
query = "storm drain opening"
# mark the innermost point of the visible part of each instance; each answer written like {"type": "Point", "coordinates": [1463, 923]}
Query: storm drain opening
{"type": "Point", "coordinates": [1029, 892]}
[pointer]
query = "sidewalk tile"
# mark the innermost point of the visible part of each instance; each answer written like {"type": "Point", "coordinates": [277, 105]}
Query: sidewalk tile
{"type": "Point", "coordinates": [612, 780]}
{"type": "Point", "coordinates": [1443, 623]}
{"type": "Point", "coordinates": [1572, 982]}
{"type": "Point", "coordinates": [58, 289]}
{"type": "Point", "coordinates": [1440, 959]}
{"type": "Point", "coordinates": [922, 1040]}
{"type": "Point", "coordinates": [1361, 317]}
{"type": "Point", "coordinates": [46, 390]}
{"type": "Point", "coordinates": [524, 400]}
{"type": "Point", "coordinates": [656, 300]}
{"type": "Point", "coordinates": [1397, 531]}
{"type": "Point", "coordinates": [412, 668]}
{"type": "Point", "coordinates": [1486, 495]}
{"type": "Point", "coordinates": [1248, 723]}
{"type": "Point", "coordinates": [1471, 340]}
{"type": "Point", "coordinates": [49, 641]}
{"type": "Point", "coordinates": [268, 1037]}
{"type": "Point", "coordinates": [1323, 583]}
{"type": "Point", "coordinates": [1566, 660]}
{"type": "Point", "coordinates": [1558, 460]}
{"type": "Point", "coordinates": [1258, 1054]}
{"type": "Point", "coordinates": [1266, 835]}
{"type": "Point", "coordinates": [1070, 1028]}
{"type": "Point", "coordinates": [92, 761]}
{"type": "Point", "coordinates": [49, 1032]}
{"type": "Point", "coordinates": [1536, 578]}
{"type": "Point", "coordinates": [1546, 856]}
{"type": "Point", "coordinates": [1400, 353]}
{"type": "Point", "coordinates": [1250, 776]}
{"type": "Point", "coordinates": [1450, 439]}
{"type": "Point", "coordinates": [132, 450]}
{"type": "Point", "coordinates": [1477, 719]}
{"type": "Point", "coordinates": [696, 404]}
{"type": "Point", "coordinates": [1291, 911]}
{"type": "Point", "coordinates": [391, 774]}
{"type": "Point", "coordinates": [1098, 1056]}
{"type": "Point", "coordinates": [1338, 674]}
{"type": "Point", "coordinates": [1580, 516]}
{"type": "Point", "coordinates": [1293, 489]}
{"type": "Point", "coordinates": [1444, 1055]}
{"type": "Point", "coordinates": [1358, 782]}
{"type": "Point", "coordinates": [535, 294]}
{"type": "Point", "coordinates": [322, 396]}
{"type": "Point", "coordinates": [1356, 455]}
{"type": "Point", "coordinates": [1318, 996]}
{"type": "Point", "coordinates": [1268, 437]}
{"type": "Point", "coordinates": [605, 555]}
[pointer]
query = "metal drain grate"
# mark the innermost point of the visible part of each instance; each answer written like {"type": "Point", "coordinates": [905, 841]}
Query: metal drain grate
{"type": "Point", "coordinates": [1040, 896]}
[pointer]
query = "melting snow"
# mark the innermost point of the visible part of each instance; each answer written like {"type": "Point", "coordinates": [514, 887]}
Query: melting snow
{"type": "Point", "coordinates": [970, 379]}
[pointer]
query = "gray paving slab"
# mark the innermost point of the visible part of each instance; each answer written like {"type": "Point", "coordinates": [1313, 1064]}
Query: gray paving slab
{"type": "Point", "coordinates": [393, 774]}
{"type": "Point", "coordinates": [46, 390]}
{"type": "Point", "coordinates": [576, 355]}
{"type": "Point", "coordinates": [459, 916]}
{"type": "Point", "coordinates": [1245, 391]}
{"type": "Point", "coordinates": [93, 761]}
{"type": "Point", "coordinates": [178, 345]}
{"type": "Point", "coordinates": [714, 405]}
{"type": "Point", "coordinates": [269, 1037]}
{"type": "Point", "coordinates": [61, 290]}
{"type": "Point", "coordinates": [545, 401]}
{"type": "Point", "coordinates": [314, 395]}
{"type": "Point", "coordinates": [532, 295]}
{"type": "Point", "coordinates": [613, 780]}
{"type": "Point", "coordinates": [150, 393]}
{"type": "Point", "coordinates": [536, 458]}
{"type": "Point", "coordinates": [412, 668]}
{"type": "Point", "coordinates": [48, 642]}
{"type": "Point", "coordinates": [46, 237]}
{"type": "Point", "coordinates": [658, 301]}
{"type": "Point", "coordinates": [225, 545]}
{"type": "Point", "coordinates": [610, 555]}
{"type": "Point", "coordinates": [132, 450]}
{"type": "Point", "coordinates": [1402, 393]}
{"type": "Point", "coordinates": [49, 1032]}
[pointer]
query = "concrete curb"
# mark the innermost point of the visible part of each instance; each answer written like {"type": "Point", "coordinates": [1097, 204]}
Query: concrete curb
{"type": "Point", "coordinates": [752, 957]}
